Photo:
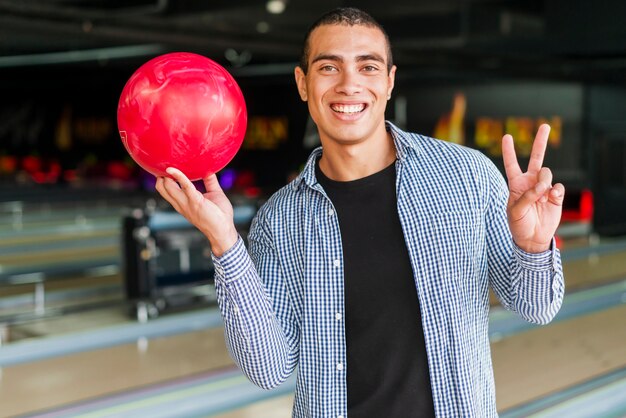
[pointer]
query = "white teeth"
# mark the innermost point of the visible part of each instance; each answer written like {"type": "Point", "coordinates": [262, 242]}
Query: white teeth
{"type": "Point", "coordinates": [348, 108]}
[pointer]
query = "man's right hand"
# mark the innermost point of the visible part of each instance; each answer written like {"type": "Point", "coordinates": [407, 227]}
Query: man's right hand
{"type": "Point", "coordinates": [211, 212]}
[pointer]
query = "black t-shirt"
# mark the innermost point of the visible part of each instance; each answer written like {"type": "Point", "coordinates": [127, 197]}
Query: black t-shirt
{"type": "Point", "coordinates": [387, 367]}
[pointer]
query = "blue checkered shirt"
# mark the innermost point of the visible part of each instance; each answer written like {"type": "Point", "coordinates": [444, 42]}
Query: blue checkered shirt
{"type": "Point", "coordinates": [283, 302]}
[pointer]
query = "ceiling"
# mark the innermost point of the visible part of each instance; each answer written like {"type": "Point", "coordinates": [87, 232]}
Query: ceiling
{"type": "Point", "coordinates": [565, 39]}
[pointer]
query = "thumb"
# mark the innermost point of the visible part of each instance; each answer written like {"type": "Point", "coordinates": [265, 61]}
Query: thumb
{"type": "Point", "coordinates": [211, 184]}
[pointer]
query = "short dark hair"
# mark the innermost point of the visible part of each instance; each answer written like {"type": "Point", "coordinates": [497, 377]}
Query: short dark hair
{"type": "Point", "coordinates": [349, 16]}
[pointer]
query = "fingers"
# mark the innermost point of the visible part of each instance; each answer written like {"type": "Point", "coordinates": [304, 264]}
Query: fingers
{"type": "Point", "coordinates": [170, 191]}
{"type": "Point", "coordinates": [542, 192]}
{"type": "Point", "coordinates": [537, 154]}
{"type": "Point", "coordinates": [557, 194]}
{"type": "Point", "coordinates": [520, 207]}
{"type": "Point", "coordinates": [511, 167]}
{"type": "Point", "coordinates": [185, 184]}
{"type": "Point", "coordinates": [178, 190]}
{"type": "Point", "coordinates": [545, 179]}
{"type": "Point", "coordinates": [539, 148]}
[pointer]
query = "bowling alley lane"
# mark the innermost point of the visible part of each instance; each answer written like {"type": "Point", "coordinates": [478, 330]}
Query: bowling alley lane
{"type": "Point", "coordinates": [67, 379]}
{"type": "Point", "coordinates": [273, 408]}
{"type": "Point", "coordinates": [102, 357]}
{"type": "Point", "coordinates": [589, 266]}
{"type": "Point", "coordinates": [166, 368]}
{"type": "Point", "coordinates": [571, 368]}
{"type": "Point", "coordinates": [548, 359]}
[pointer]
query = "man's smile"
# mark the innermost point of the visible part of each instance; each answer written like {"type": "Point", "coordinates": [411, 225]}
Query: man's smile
{"type": "Point", "coordinates": [349, 109]}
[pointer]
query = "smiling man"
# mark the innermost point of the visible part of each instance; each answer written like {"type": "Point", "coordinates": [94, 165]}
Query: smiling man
{"type": "Point", "coordinates": [370, 271]}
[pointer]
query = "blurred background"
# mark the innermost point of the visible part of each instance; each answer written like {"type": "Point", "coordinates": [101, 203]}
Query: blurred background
{"type": "Point", "coordinates": [107, 305]}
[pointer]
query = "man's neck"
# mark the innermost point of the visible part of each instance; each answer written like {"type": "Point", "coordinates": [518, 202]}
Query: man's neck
{"type": "Point", "coordinates": [342, 162]}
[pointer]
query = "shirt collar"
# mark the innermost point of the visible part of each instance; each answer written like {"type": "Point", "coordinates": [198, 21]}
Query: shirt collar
{"type": "Point", "coordinates": [404, 142]}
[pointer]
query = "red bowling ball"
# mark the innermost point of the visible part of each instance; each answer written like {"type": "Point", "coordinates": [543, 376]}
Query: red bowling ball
{"type": "Point", "coordinates": [182, 110]}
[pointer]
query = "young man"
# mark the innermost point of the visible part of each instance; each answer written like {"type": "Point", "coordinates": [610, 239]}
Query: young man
{"type": "Point", "coordinates": [370, 271]}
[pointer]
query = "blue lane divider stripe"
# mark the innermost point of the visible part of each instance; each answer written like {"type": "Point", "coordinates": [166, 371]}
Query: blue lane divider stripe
{"type": "Point", "coordinates": [607, 402]}
{"type": "Point", "coordinates": [602, 397]}
{"type": "Point", "coordinates": [43, 348]}
{"type": "Point", "coordinates": [604, 248]}
{"type": "Point", "coordinates": [503, 323]}
{"type": "Point", "coordinates": [200, 396]}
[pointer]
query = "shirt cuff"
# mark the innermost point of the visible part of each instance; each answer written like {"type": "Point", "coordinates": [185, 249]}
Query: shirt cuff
{"type": "Point", "coordinates": [544, 261]}
{"type": "Point", "coordinates": [233, 264]}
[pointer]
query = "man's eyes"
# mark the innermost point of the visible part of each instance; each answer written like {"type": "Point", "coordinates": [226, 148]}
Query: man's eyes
{"type": "Point", "coordinates": [365, 68]}
{"type": "Point", "coordinates": [370, 68]}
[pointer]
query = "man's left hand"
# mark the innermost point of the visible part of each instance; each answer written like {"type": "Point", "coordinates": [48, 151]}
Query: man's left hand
{"type": "Point", "coordinates": [535, 205]}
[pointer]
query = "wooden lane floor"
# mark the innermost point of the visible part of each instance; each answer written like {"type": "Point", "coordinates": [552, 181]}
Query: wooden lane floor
{"type": "Point", "coordinates": [527, 365]}
{"type": "Point", "coordinates": [594, 269]}
{"type": "Point", "coordinates": [554, 357]}
{"type": "Point", "coordinates": [82, 376]}
{"type": "Point", "coordinates": [21, 241]}
{"type": "Point", "coordinates": [273, 408]}
{"type": "Point", "coordinates": [60, 256]}
{"type": "Point", "coordinates": [56, 288]}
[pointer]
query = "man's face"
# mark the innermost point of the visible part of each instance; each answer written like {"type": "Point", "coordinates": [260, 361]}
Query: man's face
{"type": "Point", "coordinates": [347, 85]}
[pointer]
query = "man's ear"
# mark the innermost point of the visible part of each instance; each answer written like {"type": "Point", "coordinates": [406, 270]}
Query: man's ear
{"type": "Point", "coordinates": [301, 83]}
{"type": "Point", "coordinates": [391, 80]}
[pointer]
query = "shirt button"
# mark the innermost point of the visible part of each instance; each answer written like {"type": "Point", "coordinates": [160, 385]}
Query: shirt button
{"type": "Point", "coordinates": [339, 366]}
{"type": "Point", "coordinates": [337, 263]}
{"type": "Point", "coordinates": [339, 416]}
{"type": "Point", "coordinates": [331, 212]}
{"type": "Point", "coordinates": [338, 316]}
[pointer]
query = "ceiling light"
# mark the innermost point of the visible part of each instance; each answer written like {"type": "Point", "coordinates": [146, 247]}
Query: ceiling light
{"type": "Point", "coordinates": [276, 6]}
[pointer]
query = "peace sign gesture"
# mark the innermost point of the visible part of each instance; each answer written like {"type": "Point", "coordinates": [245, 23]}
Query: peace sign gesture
{"type": "Point", "coordinates": [534, 206]}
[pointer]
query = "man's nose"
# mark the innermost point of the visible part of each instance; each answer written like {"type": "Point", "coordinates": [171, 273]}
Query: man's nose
{"type": "Point", "coordinates": [349, 83]}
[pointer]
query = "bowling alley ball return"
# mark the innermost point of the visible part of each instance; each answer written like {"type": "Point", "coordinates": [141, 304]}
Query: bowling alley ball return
{"type": "Point", "coordinates": [167, 263]}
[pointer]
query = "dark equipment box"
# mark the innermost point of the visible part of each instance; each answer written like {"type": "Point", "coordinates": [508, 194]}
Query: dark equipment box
{"type": "Point", "coordinates": [167, 262]}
